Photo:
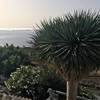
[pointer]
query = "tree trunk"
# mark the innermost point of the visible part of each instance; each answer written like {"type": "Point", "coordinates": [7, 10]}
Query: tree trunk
{"type": "Point", "coordinates": [71, 90]}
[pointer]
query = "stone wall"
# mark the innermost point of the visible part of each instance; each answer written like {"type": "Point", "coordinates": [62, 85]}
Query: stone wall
{"type": "Point", "coordinates": [4, 96]}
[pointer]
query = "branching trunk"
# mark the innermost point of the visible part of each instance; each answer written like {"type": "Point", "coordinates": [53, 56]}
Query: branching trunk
{"type": "Point", "coordinates": [71, 90]}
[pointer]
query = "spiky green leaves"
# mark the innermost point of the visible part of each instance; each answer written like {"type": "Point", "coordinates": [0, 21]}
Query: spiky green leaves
{"type": "Point", "coordinates": [72, 41]}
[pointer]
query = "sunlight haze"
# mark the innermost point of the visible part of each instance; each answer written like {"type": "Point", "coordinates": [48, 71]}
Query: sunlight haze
{"type": "Point", "coordinates": [26, 13]}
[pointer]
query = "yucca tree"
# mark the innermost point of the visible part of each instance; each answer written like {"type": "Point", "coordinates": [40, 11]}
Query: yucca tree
{"type": "Point", "coordinates": [72, 42]}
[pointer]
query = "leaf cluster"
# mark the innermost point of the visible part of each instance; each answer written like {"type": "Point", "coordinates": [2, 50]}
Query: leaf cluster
{"type": "Point", "coordinates": [71, 41]}
{"type": "Point", "coordinates": [11, 58]}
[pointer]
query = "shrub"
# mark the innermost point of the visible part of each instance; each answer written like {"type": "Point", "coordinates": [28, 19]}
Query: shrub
{"type": "Point", "coordinates": [11, 58]}
{"type": "Point", "coordinates": [23, 81]}
{"type": "Point", "coordinates": [86, 93]}
{"type": "Point", "coordinates": [33, 82]}
{"type": "Point", "coordinates": [50, 79]}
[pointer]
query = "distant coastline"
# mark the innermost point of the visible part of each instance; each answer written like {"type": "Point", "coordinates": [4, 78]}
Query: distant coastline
{"type": "Point", "coordinates": [18, 37]}
{"type": "Point", "coordinates": [16, 29]}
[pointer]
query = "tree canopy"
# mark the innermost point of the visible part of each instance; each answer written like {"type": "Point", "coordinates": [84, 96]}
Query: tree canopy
{"type": "Point", "coordinates": [71, 41]}
{"type": "Point", "coordinates": [11, 58]}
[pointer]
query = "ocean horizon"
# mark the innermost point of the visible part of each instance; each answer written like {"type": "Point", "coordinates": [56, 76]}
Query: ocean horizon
{"type": "Point", "coordinates": [16, 36]}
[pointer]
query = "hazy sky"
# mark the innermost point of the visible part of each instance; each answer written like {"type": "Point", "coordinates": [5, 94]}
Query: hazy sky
{"type": "Point", "coordinates": [26, 13]}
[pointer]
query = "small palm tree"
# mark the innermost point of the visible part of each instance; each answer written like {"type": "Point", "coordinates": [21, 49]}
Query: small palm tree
{"type": "Point", "coordinates": [72, 42]}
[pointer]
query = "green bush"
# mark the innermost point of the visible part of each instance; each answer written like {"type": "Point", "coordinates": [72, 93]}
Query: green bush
{"type": "Point", "coordinates": [23, 81]}
{"type": "Point", "coordinates": [31, 82]}
{"type": "Point", "coordinates": [11, 58]}
{"type": "Point", "coordinates": [86, 93]}
{"type": "Point", "coordinates": [50, 79]}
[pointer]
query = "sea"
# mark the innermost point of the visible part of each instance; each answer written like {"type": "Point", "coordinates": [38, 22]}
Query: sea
{"type": "Point", "coordinates": [17, 37]}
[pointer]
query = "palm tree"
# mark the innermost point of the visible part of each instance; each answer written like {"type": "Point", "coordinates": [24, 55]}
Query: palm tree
{"type": "Point", "coordinates": [72, 42]}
